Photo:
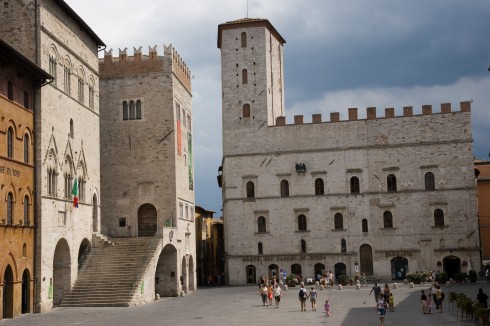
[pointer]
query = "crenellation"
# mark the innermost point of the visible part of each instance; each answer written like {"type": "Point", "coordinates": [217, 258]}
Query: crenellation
{"type": "Point", "coordinates": [123, 54]}
{"type": "Point", "coordinates": [352, 114]}
{"type": "Point", "coordinates": [334, 117]}
{"type": "Point", "coordinates": [389, 112]}
{"type": "Point", "coordinates": [426, 109]}
{"type": "Point", "coordinates": [137, 53]}
{"type": "Point", "coordinates": [407, 111]}
{"type": "Point", "coordinates": [298, 119]}
{"type": "Point", "coordinates": [316, 118]}
{"type": "Point", "coordinates": [465, 106]}
{"type": "Point", "coordinates": [371, 113]}
{"type": "Point", "coordinates": [446, 108]}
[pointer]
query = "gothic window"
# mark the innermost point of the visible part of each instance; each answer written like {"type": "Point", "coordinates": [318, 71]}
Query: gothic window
{"type": "Point", "coordinates": [438, 217]}
{"type": "Point", "coordinates": [10, 143]}
{"type": "Point", "coordinates": [244, 39]}
{"type": "Point", "coordinates": [26, 210]}
{"type": "Point", "coordinates": [364, 225]}
{"type": "Point", "coordinates": [81, 93]}
{"type": "Point", "coordinates": [391, 182]}
{"type": "Point", "coordinates": [27, 103]}
{"type": "Point", "coordinates": [72, 129]}
{"type": "Point", "coordinates": [10, 203]}
{"type": "Point", "coordinates": [67, 77]}
{"type": "Point", "coordinates": [26, 148]}
{"type": "Point", "coordinates": [52, 176]}
{"type": "Point", "coordinates": [244, 76]}
{"type": "Point", "coordinates": [138, 110]}
{"type": "Point", "coordinates": [303, 246]}
{"type": "Point", "coordinates": [246, 111]}
{"type": "Point", "coordinates": [250, 190]}
{"type": "Point", "coordinates": [430, 183]}
{"type": "Point", "coordinates": [302, 222]}
{"type": "Point", "coordinates": [91, 96]}
{"type": "Point", "coordinates": [10, 90]}
{"type": "Point", "coordinates": [387, 220]}
{"type": "Point", "coordinates": [338, 221]}
{"type": "Point", "coordinates": [343, 245]}
{"type": "Point", "coordinates": [319, 186]}
{"type": "Point", "coordinates": [132, 111]}
{"type": "Point", "coordinates": [260, 248]}
{"type": "Point", "coordinates": [354, 185]}
{"type": "Point", "coordinates": [68, 185]}
{"type": "Point", "coordinates": [125, 110]}
{"type": "Point", "coordinates": [52, 68]}
{"type": "Point", "coordinates": [261, 227]}
{"type": "Point", "coordinates": [284, 188]}
{"type": "Point", "coordinates": [81, 190]}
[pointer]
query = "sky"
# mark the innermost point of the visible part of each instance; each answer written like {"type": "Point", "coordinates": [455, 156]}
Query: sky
{"type": "Point", "coordinates": [338, 54]}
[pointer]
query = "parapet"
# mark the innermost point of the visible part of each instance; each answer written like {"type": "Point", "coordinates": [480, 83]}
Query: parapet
{"type": "Point", "coordinates": [371, 114]}
{"type": "Point", "coordinates": [125, 65]}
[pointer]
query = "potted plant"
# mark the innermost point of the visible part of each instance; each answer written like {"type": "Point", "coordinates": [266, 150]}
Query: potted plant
{"type": "Point", "coordinates": [472, 275]}
{"type": "Point", "coordinates": [460, 277]}
{"type": "Point", "coordinates": [442, 277]}
{"type": "Point", "coordinates": [342, 279]}
{"type": "Point", "coordinates": [291, 280]}
{"type": "Point", "coordinates": [415, 278]}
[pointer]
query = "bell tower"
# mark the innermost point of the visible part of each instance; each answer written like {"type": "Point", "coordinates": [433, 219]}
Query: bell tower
{"type": "Point", "coordinates": [252, 75]}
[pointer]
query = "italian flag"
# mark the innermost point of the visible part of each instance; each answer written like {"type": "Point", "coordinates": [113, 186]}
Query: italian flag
{"type": "Point", "coordinates": [74, 192]}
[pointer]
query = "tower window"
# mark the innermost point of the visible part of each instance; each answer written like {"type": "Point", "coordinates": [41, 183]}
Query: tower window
{"type": "Point", "coordinates": [250, 190]}
{"type": "Point", "coordinates": [391, 183]}
{"type": "Point", "coordinates": [246, 111]}
{"type": "Point", "coordinates": [302, 222]}
{"type": "Point", "coordinates": [319, 187]}
{"type": "Point", "coordinates": [303, 246]}
{"type": "Point", "coordinates": [261, 226]}
{"type": "Point", "coordinates": [244, 40]}
{"type": "Point", "coordinates": [284, 188]}
{"type": "Point", "coordinates": [364, 225]}
{"type": "Point", "coordinates": [438, 217]}
{"type": "Point", "coordinates": [338, 221]}
{"type": "Point", "coordinates": [10, 143]}
{"type": "Point", "coordinates": [430, 183]}
{"type": "Point", "coordinates": [387, 220]}
{"type": "Point", "coordinates": [343, 246]}
{"type": "Point", "coordinates": [244, 76]}
{"type": "Point", "coordinates": [354, 185]}
{"type": "Point", "coordinates": [260, 248]}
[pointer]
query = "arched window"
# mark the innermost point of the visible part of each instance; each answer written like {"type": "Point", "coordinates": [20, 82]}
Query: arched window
{"type": "Point", "coordinates": [260, 248]}
{"type": "Point", "coordinates": [138, 109]}
{"type": "Point", "coordinates": [126, 110]}
{"type": "Point", "coordinates": [343, 245]}
{"type": "Point", "coordinates": [438, 217]}
{"type": "Point", "coordinates": [430, 183]}
{"type": "Point", "coordinates": [354, 185]}
{"type": "Point", "coordinates": [387, 220]}
{"type": "Point", "coordinates": [26, 210]}
{"type": "Point", "coordinates": [10, 203]}
{"type": "Point", "coordinates": [10, 143]}
{"type": "Point", "coordinates": [244, 76]}
{"type": "Point", "coordinates": [391, 182]}
{"type": "Point", "coordinates": [26, 148]}
{"type": "Point", "coordinates": [338, 221]}
{"type": "Point", "coordinates": [250, 190]}
{"type": "Point", "coordinates": [10, 90]}
{"type": "Point", "coordinates": [364, 225]}
{"type": "Point", "coordinates": [261, 226]}
{"type": "Point", "coordinates": [303, 246]}
{"type": "Point", "coordinates": [284, 188]}
{"type": "Point", "coordinates": [24, 250]}
{"type": "Point", "coordinates": [246, 111]}
{"type": "Point", "coordinates": [319, 187]}
{"type": "Point", "coordinates": [72, 129]}
{"type": "Point", "coordinates": [302, 222]}
{"type": "Point", "coordinates": [52, 67]}
{"type": "Point", "coordinates": [27, 102]}
{"type": "Point", "coordinates": [244, 40]}
{"type": "Point", "coordinates": [52, 182]}
{"type": "Point", "coordinates": [81, 90]}
{"type": "Point", "coordinates": [132, 111]}
{"type": "Point", "coordinates": [67, 76]}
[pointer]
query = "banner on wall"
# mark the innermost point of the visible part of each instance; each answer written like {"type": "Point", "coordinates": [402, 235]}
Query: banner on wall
{"type": "Point", "coordinates": [189, 157]}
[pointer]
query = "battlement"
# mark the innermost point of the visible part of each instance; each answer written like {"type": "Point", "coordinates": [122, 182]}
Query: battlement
{"type": "Point", "coordinates": [125, 65]}
{"type": "Point", "coordinates": [371, 114]}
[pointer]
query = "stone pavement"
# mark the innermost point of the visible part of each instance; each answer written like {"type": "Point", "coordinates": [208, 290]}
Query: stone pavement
{"type": "Point", "coordinates": [242, 306]}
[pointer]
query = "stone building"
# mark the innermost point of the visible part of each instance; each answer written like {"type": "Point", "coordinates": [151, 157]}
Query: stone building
{"type": "Point", "coordinates": [482, 169]}
{"type": "Point", "coordinates": [147, 161]}
{"type": "Point", "coordinates": [210, 248]}
{"type": "Point", "coordinates": [383, 195]}
{"type": "Point", "coordinates": [20, 81]}
{"type": "Point", "coordinates": [51, 35]}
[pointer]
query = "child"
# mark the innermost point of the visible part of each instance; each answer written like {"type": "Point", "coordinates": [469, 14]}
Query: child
{"type": "Point", "coordinates": [327, 308]}
{"type": "Point", "coordinates": [391, 302]}
{"type": "Point", "coordinates": [269, 294]}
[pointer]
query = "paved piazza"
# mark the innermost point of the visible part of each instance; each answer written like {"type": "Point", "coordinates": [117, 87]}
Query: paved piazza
{"type": "Point", "coordinates": [243, 306]}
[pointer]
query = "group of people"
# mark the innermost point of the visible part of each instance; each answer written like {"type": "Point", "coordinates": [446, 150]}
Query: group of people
{"type": "Point", "coordinates": [267, 292]}
{"type": "Point", "coordinates": [384, 301]}
{"type": "Point", "coordinates": [312, 295]}
{"type": "Point", "coordinates": [435, 296]}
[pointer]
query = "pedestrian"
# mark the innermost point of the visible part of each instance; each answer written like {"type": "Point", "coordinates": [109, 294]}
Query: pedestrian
{"type": "Point", "coordinates": [327, 308]}
{"type": "Point", "coordinates": [391, 302]}
{"type": "Point", "coordinates": [263, 293]}
{"type": "Point", "coordinates": [439, 297]}
{"type": "Point", "coordinates": [277, 294]}
{"type": "Point", "coordinates": [377, 291]}
{"type": "Point", "coordinates": [302, 297]}
{"type": "Point", "coordinates": [312, 295]}
{"type": "Point", "coordinates": [429, 304]}
{"type": "Point", "coordinates": [363, 280]}
{"type": "Point", "coordinates": [433, 289]}
{"type": "Point", "coordinates": [270, 291]}
{"type": "Point", "coordinates": [423, 301]}
{"type": "Point", "coordinates": [386, 292]}
{"type": "Point", "coordinates": [381, 307]}
{"type": "Point", "coordinates": [482, 298]}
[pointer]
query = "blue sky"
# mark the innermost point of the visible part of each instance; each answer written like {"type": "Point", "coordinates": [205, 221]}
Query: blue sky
{"type": "Point", "coordinates": [339, 54]}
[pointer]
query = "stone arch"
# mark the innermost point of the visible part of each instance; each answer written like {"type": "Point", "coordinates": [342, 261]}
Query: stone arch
{"type": "Point", "coordinates": [166, 283]}
{"type": "Point", "coordinates": [319, 269]}
{"type": "Point", "coordinates": [340, 269]}
{"type": "Point", "coordinates": [61, 271]}
{"type": "Point", "coordinates": [366, 259]}
{"type": "Point", "coordinates": [273, 272]}
{"type": "Point", "coordinates": [184, 281]}
{"type": "Point", "coordinates": [451, 265]}
{"type": "Point", "coordinates": [8, 293]}
{"type": "Point", "coordinates": [399, 268]}
{"type": "Point", "coordinates": [26, 292]}
{"type": "Point", "coordinates": [147, 220]}
{"type": "Point", "coordinates": [251, 274]}
{"type": "Point", "coordinates": [83, 252]}
{"type": "Point", "coordinates": [191, 273]}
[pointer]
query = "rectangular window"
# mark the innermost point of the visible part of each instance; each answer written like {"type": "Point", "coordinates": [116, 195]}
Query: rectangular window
{"type": "Point", "coordinates": [122, 222]}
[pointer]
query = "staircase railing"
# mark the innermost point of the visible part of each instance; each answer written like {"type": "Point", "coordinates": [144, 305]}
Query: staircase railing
{"type": "Point", "coordinates": [140, 270]}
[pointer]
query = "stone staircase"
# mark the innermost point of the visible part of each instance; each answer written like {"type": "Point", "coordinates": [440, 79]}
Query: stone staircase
{"type": "Point", "coordinates": [111, 273]}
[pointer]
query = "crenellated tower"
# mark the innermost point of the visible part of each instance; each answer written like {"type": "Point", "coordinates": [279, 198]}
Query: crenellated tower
{"type": "Point", "coordinates": [252, 75]}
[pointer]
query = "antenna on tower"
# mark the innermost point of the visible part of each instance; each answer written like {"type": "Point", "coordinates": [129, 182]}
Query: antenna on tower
{"type": "Point", "coordinates": [247, 12]}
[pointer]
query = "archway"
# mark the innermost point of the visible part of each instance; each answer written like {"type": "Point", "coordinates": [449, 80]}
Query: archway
{"type": "Point", "coordinates": [191, 273]}
{"type": "Point", "coordinates": [8, 293]}
{"type": "Point", "coordinates": [251, 278]}
{"type": "Point", "coordinates": [452, 265]}
{"type": "Point", "coordinates": [83, 252]}
{"type": "Point", "coordinates": [147, 220]}
{"type": "Point", "coordinates": [366, 259]}
{"type": "Point", "coordinates": [183, 278]}
{"type": "Point", "coordinates": [26, 291]}
{"type": "Point", "coordinates": [399, 268]}
{"type": "Point", "coordinates": [319, 269]}
{"type": "Point", "coordinates": [340, 269]}
{"type": "Point", "coordinates": [296, 269]}
{"type": "Point", "coordinates": [166, 284]}
{"type": "Point", "coordinates": [61, 271]}
{"type": "Point", "coordinates": [95, 215]}
{"type": "Point", "coordinates": [274, 272]}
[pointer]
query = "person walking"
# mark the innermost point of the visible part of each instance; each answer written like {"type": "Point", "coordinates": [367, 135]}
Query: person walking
{"type": "Point", "coordinates": [313, 295]}
{"type": "Point", "coordinates": [302, 297]}
{"type": "Point", "coordinates": [482, 298]}
{"type": "Point", "coordinates": [277, 294]}
{"type": "Point", "coordinates": [391, 302]}
{"type": "Point", "coordinates": [327, 308]}
{"type": "Point", "coordinates": [381, 307]}
{"type": "Point", "coordinates": [263, 293]}
{"type": "Point", "coordinates": [386, 293]}
{"type": "Point", "coordinates": [270, 291]}
{"type": "Point", "coordinates": [423, 301]}
{"type": "Point", "coordinates": [363, 280]}
{"type": "Point", "coordinates": [439, 297]}
{"type": "Point", "coordinates": [377, 291]}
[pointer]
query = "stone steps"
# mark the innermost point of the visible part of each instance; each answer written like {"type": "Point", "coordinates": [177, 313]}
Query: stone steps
{"type": "Point", "coordinates": [109, 275]}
